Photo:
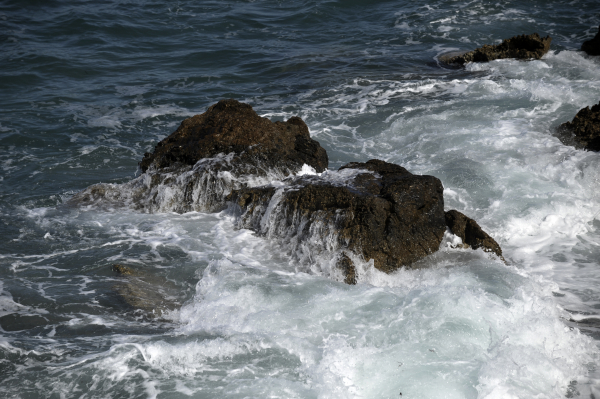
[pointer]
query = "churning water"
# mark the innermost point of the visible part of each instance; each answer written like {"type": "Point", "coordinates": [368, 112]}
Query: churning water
{"type": "Point", "coordinates": [89, 86]}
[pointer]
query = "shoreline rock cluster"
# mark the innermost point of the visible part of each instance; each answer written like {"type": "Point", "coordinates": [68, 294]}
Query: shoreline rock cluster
{"type": "Point", "coordinates": [367, 211]}
{"type": "Point", "coordinates": [229, 157]}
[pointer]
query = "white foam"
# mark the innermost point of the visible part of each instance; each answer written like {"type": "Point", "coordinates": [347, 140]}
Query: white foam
{"type": "Point", "coordinates": [107, 121]}
{"type": "Point", "coordinates": [430, 332]}
{"type": "Point", "coordinates": [200, 188]}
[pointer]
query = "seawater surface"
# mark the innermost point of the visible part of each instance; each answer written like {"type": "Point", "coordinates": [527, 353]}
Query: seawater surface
{"type": "Point", "coordinates": [88, 87]}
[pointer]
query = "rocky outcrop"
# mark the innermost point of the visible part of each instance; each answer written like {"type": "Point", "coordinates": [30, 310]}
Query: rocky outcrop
{"type": "Point", "coordinates": [521, 47]}
{"type": "Point", "coordinates": [374, 210]}
{"type": "Point", "coordinates": [470, 233]}
{"type": "Point", "coordinates": [337, 222]}
{"type": "Point", "coordinates": [592, 46]}
{"type": "Point", "coordinates": [584, 130]}
{"type": "Point", "coordinates": [193, 169]}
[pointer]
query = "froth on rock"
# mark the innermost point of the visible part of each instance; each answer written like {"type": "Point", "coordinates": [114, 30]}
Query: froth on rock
{"type": "Point", "coordinates": [193, 169]}
{"type": "Point", "coordinates": [523, 47]}
{"type": "Point", "coordinates": [584, 130]}
{"type": "Point", "coordinates": [376, 210]}
{"type": "Point", "coordinates": [592, 46]}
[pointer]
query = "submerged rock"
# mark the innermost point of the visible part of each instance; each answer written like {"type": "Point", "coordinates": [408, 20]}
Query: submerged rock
{"type": "Point", "coordinates": [470, 233]}
{"type": "Point", "coordinates": [520, 47]}
{"type": "Point", "coordinates": [367, 211]}
{"type": "Point", "coordinates": [584, 130]}
{"type": "Point", "coordinates": [592, 46]}
{"type": "Point", "coordinates": [193, 169]}
{"type": "Point", "coordinates": [154, 295]}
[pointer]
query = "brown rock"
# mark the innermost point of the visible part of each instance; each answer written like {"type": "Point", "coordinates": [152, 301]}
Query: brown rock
{"type": "Point", "coordinates": [233, 127]}
{"type": "Point", "coordinates": [592, 46]}
{"type": "Point", "coordinates": [348, 269]}
{"type": "Point", "coordinates": [520, 47]}
{"type": "Point", "coordinates": [584, 130]}
{"type": "Point", "coordinates": [470, 232]}
{"type": "Point", "coordinates": [377, 210]}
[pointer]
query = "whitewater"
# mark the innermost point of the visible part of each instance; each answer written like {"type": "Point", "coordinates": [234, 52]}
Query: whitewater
{"type": "Point", "coordinates": [89, 87]}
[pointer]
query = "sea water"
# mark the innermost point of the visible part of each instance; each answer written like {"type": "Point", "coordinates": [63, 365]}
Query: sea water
{"type": "Point", "coordinates": [89, 87]}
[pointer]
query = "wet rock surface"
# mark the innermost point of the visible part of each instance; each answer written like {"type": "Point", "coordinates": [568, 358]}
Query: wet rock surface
{"type": "Point", "coordinates": [470, 233]}
{"type": "Point", "coordinates": [193, 169]}
{"type": "Point", "coordinates": [584, 130]}
{"type": "Point", "coordinates": [376, 209]}
{"type": "Point", "coordinates": [592, 46]}
{"type": "Point", "coordinates": [521, 47]}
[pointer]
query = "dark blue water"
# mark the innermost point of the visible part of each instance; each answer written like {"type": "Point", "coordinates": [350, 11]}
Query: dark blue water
{"type": "Point", "coordinates": [89, 87]}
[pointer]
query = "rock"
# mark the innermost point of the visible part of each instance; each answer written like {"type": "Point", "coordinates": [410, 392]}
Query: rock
{"type": "Point", "coordinates": [470, 233]}
{"type": "Point", "coordinates": [348, 269]}
{"type": "Point", "coordinates": [153, 295]}
{"type": "Point", "coordinates": [584, 130]}
{"type": "Point", "coordinates": [448, 57]}
{"type": "Point", "coordinates": [592, 46]}
{"type": "Point", "coordinates": [376, 210]}
{"type": "Point", "coordinates": [193, 169]}
{"type": "Point", "coordinates": [521, 47]}
{"type": "Point", "coordinates": [231, 127]}
{"type": "Point", "coordinates": [122, 270]}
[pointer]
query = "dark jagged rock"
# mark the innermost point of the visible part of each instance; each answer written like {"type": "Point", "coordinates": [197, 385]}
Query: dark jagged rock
{"type": "Point", "coordinates": [584, 130]}
{"type": "Point", "coordinates": [376, 210]}
{"type": "Point", "coordinates": [592, 46]}
{"type": "Point", "coordinates": [470, 232]}
{"type": "Point", "coordinates": [520, 47]}
{"type": "Point", "coordinates": [193, 169]}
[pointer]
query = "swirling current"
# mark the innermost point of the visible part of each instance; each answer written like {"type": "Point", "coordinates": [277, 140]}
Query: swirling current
{"type": "Point", "coordinates": [89, 87]}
